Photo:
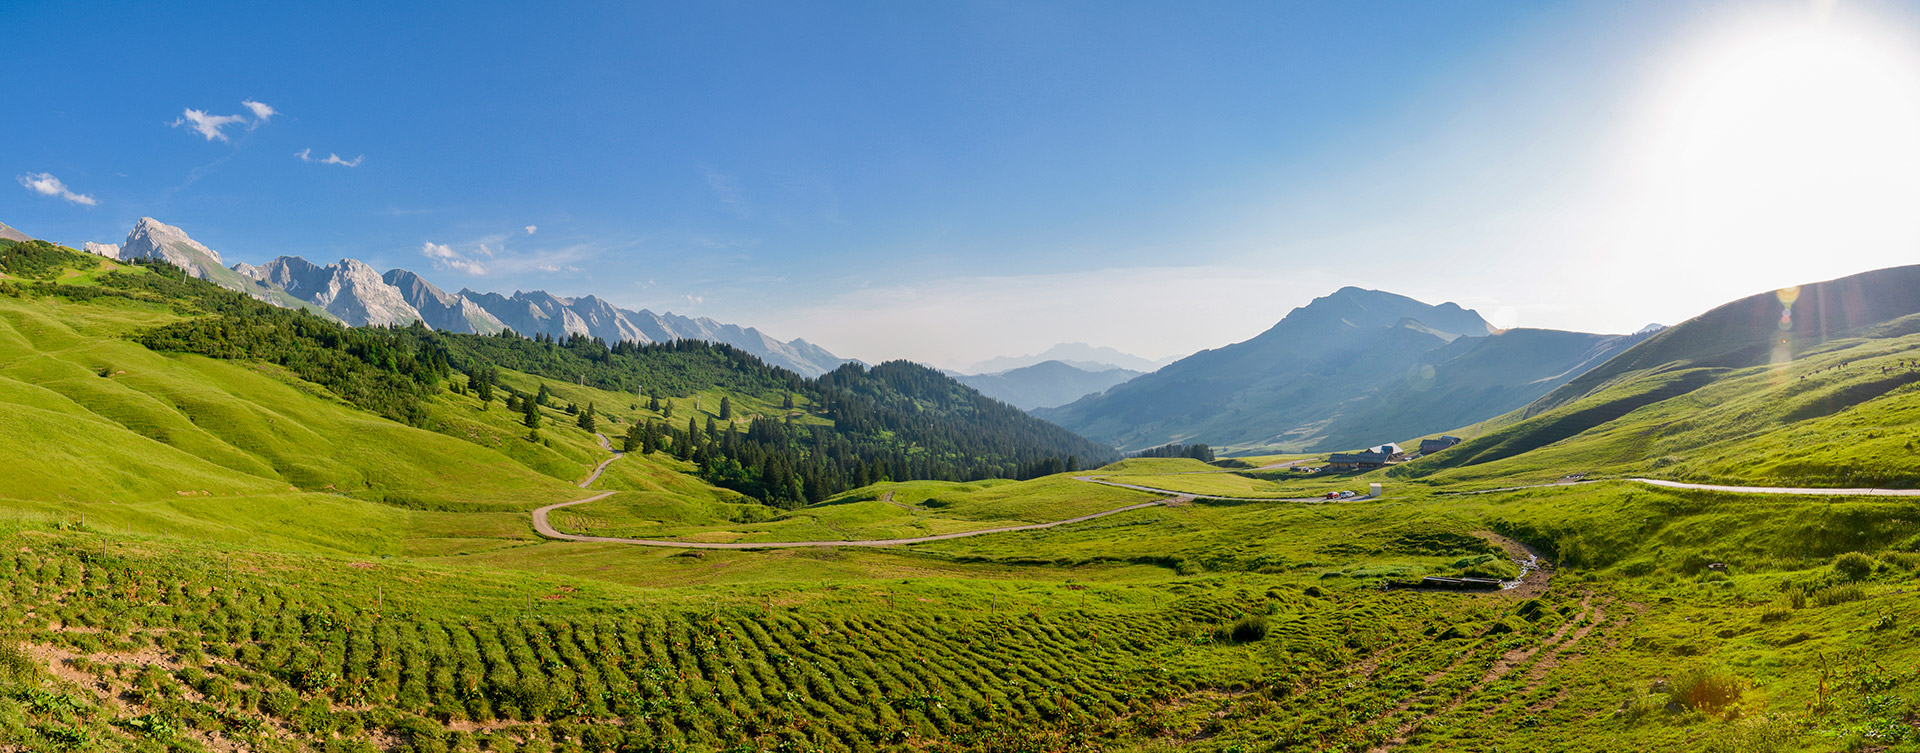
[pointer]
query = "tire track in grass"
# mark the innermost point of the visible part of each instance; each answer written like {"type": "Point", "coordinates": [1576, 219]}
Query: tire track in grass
{"type": "Point", "coordinates": [1502, 666]}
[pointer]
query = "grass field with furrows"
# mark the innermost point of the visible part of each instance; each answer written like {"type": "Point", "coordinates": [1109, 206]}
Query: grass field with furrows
{"type": "Point", "coordinates": [979, 643]}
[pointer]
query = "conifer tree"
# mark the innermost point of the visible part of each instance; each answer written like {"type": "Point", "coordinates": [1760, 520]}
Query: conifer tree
{"type": "Point", "coordinates": [530, 413]}
{"type": "Point", "coordinates": [726, 408]}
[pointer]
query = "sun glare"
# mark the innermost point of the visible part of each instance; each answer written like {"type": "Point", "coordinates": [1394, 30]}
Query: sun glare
{"type": "Point", "coordinates": [1787, 147]}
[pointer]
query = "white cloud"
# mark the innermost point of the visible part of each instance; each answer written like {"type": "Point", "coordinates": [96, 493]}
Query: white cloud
{"type": "Point", "coordinates": [215, 126]}
{"type": "Point", "coordinates": [306, 155]}
{"type": "Point", "coordinates": [262, 112]}
{"type": "Point", "coordinates": [47, 185]}
{"type": "Point", "coordinates": [531, 229]}
{"type": "Point", "coordinates": [206, 124]}
{"type": "Point", "coordinates": [494, 255]}
{"type": "Point", "coordinates": [444, 257]}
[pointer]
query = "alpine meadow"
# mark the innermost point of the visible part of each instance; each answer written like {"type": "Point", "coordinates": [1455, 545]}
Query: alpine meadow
{"type": "Point", "coordinates": [495, 503]}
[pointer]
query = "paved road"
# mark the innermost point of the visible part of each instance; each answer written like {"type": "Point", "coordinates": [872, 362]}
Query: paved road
{"type": "Point", "coordinates": [1191, 495]}
{"type": "Point", "coordinates": [545, 528]}
{"type": "Point", "coordinates": [1783, 489]}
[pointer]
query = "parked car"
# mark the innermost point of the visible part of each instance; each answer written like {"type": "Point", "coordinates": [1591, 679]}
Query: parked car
{"type": "Point", "coordinates": [1346, 495]}
{"type": "Point", "coordinates": [1333, 495]}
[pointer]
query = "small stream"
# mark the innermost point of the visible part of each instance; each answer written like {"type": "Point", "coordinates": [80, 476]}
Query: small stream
{"type": "Point", "coordinates": [1527, 567]}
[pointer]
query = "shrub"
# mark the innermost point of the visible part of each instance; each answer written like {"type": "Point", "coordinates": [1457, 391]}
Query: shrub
{"type": "Point", "coordinates": [1853, 566]}
{"type": "Point", "coordinates": [1249, 629]}
{"type": "Point", "coordinates": [1839, 594]}
{"type": "Point", "coordinates": [1245, 630]}
{"type": "Point", "coordinates": [1908, 561]}
{"type": "Point", "coordinates": [16, 665]}
{"type": "Point", "coordinates": [1759, 734]}
{"type": "Point", "coordinates": [1706, 688]}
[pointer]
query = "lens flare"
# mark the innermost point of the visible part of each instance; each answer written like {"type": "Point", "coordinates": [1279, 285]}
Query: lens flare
{"type": "Point", "coordinates": [1783, 348]}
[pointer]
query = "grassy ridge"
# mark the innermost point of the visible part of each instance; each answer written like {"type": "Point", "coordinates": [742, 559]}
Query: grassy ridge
{"type": "Point", "coordinates": [1839, 415]}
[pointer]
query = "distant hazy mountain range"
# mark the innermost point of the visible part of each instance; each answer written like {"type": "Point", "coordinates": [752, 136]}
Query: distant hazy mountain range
{"type": "Point", "coordinates": [1352, 369]}
{"type": "Point", "coordinates": [1078, 355]}
{"type": "Point", "coordinates": [1045, 384]}
{"type": "Point", "coordinates": [355, 294]}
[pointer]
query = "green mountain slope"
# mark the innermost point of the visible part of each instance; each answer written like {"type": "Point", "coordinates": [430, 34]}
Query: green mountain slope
{"type": "Point", "coordinates": [896, 421]}
{"type": "Point", "coordinates": [1817, 393]}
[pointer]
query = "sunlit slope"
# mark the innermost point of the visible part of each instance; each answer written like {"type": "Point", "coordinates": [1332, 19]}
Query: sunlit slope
{"type": "Point", "coordinates": [1825, 397]}
{"type": "Point", "coordinates": [89, 416]}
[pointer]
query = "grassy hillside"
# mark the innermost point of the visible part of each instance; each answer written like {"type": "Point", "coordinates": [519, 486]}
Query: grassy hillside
{"type": "Point", "coordinates": [1833, 407]}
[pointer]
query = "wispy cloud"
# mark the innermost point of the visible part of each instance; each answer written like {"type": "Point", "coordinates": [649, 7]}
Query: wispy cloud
{"type": "Point", "coordinates": [262, 112]}
{"type": "Point", "coordinates": [493, 255]}
{"type": "Point", "coordinates": [47, 185]}
{"type": "Point", "coordinates": [206, 124]}
{"type": "Point", "coordinates": [444, 257]}
{"type": "Point", "coordinates": [215, 126]}
{"type": "Point", "coordinates": [531, 229]}
{"type": "Point", "coordinates": [306, 155]}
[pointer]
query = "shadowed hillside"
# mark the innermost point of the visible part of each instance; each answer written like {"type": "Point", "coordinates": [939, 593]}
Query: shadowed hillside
{"type": "Point", "coordinates": [1354, 368]}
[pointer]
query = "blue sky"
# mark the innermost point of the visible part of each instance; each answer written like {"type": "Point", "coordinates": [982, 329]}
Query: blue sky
{"type": "Point", "coordinates": [941, 181]}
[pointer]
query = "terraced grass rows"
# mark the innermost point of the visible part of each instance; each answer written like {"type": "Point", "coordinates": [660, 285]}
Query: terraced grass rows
{"type": "Point", "coordinates": [249, 657]}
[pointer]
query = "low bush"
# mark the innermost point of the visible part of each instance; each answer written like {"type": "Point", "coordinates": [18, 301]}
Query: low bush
{"type": "Point", "coordinates": [1245, 630]}
{"type": "Point", "coordinates": [1839, 594]}
{"type": "Point", "coordinates": [1707, 688]}
{"type": "Point", "coordinates": [1908, 561]}
{"type": "Point", "coordinates": [1853, 566]}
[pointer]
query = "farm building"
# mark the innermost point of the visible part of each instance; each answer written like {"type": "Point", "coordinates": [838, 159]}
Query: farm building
{"type": "Point", "coordinates": [1372, 457]}
{"type": "Point", "coordinates": [1431, 446]}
